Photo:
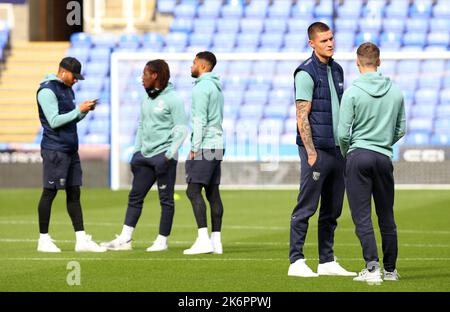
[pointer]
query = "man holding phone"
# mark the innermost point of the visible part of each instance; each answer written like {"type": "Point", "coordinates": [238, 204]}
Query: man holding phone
{"type": "Point", "coordinates": [59, 150]}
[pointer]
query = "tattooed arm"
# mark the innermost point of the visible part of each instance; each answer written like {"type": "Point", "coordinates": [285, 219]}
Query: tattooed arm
{"type": "Point", "coordinates": [303, 110]}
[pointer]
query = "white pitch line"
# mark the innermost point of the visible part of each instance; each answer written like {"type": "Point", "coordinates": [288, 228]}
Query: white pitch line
{"type": "Point", "coordinates": [27, 240]}
{"type": "Point", "coordinates": [188, 258]}
{"type": "Point", "coordinates": [233, 227]}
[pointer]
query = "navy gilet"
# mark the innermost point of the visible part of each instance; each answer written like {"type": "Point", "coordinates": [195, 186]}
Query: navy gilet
{"type": "Point", "coordinates": [64, 138]}
{"type": "Point", "coordinates": [321, 117]}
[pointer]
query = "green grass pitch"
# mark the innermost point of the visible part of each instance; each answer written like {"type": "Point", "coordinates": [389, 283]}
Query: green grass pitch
{"type": "Point", "coordinates": [255, 238]}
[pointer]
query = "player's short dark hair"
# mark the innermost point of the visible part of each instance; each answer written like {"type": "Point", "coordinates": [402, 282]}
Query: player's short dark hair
{"type": "Point", "coordinates": [317, 27]}
{"type": "Point", "coordinates": [209, 57]}
{"type": "Point", "coordinates": [368, 54]}
{"type": "Point", "coordinates": [162, 69]}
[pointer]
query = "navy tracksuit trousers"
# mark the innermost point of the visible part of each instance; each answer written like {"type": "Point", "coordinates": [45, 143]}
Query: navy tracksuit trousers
{"type": "Point", "coordinates": [370, 173]}
{"type": "Point", "coordinates": [325, 182]}
{"type": "Point", "coordinates": [147, 171]}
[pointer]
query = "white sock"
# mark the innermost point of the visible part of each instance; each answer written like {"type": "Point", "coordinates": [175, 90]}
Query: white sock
{"type": "Point", "coordinates": [80, 235]}
{"type": "Point", "coordinates": [203, 233]}
{"type": "Point", "coordinates": [215, 237]}
{"type": "Point", "coordinates": [44, 236]}
{"type": "Point", "coordinates": [127, 232]}
{"type": "Point", "coordinates": [162, 239]}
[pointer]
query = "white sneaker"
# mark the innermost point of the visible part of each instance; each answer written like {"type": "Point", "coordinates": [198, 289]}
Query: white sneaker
{"type": "Point", "coordinates": [86, 244]}
{"type": "Point", "coordinates": [372, 278]}
{"type": "Point", "coordinates": [391, 276]}
{"type": "Point", "coordinates": [117, 244]}
{"type": "Point", "coordinates": [217, 248]}
{"type": "Point", "coordinates": [201, 246]}
{"type": "Point", "coordinates": [46, 244]}
{"type": "Point", "coordinates": [299, 268]}
{"type": "Point", "coordinates": [158, 245]}
{"type": "Point", "coordinates": [333, 268]}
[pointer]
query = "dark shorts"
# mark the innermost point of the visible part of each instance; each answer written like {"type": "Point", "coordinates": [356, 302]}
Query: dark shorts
{"type": "Point", "coordinates": [205, 168]}
{"type": "Point", "coordinates": [61, 169]}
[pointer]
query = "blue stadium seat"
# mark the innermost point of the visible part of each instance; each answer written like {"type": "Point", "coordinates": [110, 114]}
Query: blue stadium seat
{"type": "Point", "coordinates": [100, 54]}
{"type": "Point", "coordinates": [367, 37]}
{"type": "Point", "coordinates": [130, 41]}
{"type": "Point", "coordinates": [442, 124]}
{"type": "Point", "coordinates": [224, 40]}
{"type": "Point", "coordinates": [248, 40]}
{"type": "Point", "coordinates": [370, 25]}
{"type": "Point", "coordinates": [290, 125]}
{"type": "Point", "coordinates": [277, 26]}
{"type": "Point", "coordinates": [257, 9]}
{"type": "Point", "coordinates": [228, 25]}
{"type": "Point", "coordinates": [351, 9]}
{"type": "Point", "coordinates": [406, 81]}
{"type": "Point", "coordinates": [252, 25]}
{"type": "Point", "coordinates": [232, 10]}
{"type": "Point", "coordinates": [426, 96]}
{"type": "Point", "coordinates": [444, 96]}
{"type": "Point", "coordinates": [206, 25]}
{"type": "Point", "coordinates": [441, 10]}
{"type": "Point", "coordinates": [439, 39]}
{"type": "Point", "coordinates": [303, 9]}
{"type": "Point", "coordinates": [397, 9]}
{"type": "Point", "coordinates": [421, 8]}
{"type": "Point", "coordinates": [166, 6]}
{"type": "Point", "coordinates": [257, 97]}
{"type": "Point", "coordinates": [82, 53]}
{"type": "Point", "coordinates": [440, 139]}
{"type": "Point", "coordinates": [275, 111]}
{"type": "Point", "coordinates": [287, 68]}
{"type": "Point", "coordinates": [423, 111]}
{"type": "Point", "coordinates": [282, 82]}
{"type": "Point", "coordinates": [209, 9]}
{"type": "Point", "coordinates": [298, 26]}
{"type": "Point", "coordinates": [106, 41]}
{"type": "Point", "coordinates": [419, 25]}
{"type": "Point", "coordinates": [239, 68]}
{"type": "Point", "coordinates": [177, 39]}
{"type": "Point", "coordinates": [152, 40]}
{"type": "Point", "coordinates": [199, 39]}
{"type": "Point", "coordinates": [439, 25]}
{"type": "Point", "coordinates": [185, 10]}
{"type": "Point", "coordinates": [443, 111]}
{"type": "Point", "coordinates": [430, 81]}
{"type": "Point", "coordinates": [280, 9]}
{"type": "Point", "coordinates": [281, 97]}
{"type": "Point", "coordinates": [374, 9]}
{"type": "Point", "coordinates": [388, 68]}
{"type": "Point", "coordinates": [230, 111]}
{"type": "Point", "coordinates": [394, 25]}
{"type": "Point", "coordinates": [345, 25]}
{"type": "Point", "coordinates": [298, 41]}
{"type": "Point", "coordinates": [392, 40]}
{"type": "Point", "coordinates": [81, 40]}
{"type": "Point", "coordinates": [263, 68]}
{"type": "Point", "coordinates": [292, 112]}
{"type": "Point", "coordinates": [181, 25]}
{"type": "Point", "coordinates": [252, 111]}
{"type": "Point", "coordinates": [271, 126]}
{"type": "Point", "coordinates": [417, 138]}
{"type": "Point", "coordinates": [99, 69]}
{"type": "Point", "coordinates": [234, 97]}
{"type": "Point", "coordinates": [344, 41]}
{"type": "Point", "coordinates": [414, 39]}
{"type": "Point", "coordinates": [324, 9]}
{"type": "Point", "coordinates": [272, 40]}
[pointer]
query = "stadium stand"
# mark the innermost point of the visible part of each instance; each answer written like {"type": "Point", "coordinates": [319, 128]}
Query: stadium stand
{"type": "Point", "coordinates": [280, 26]}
